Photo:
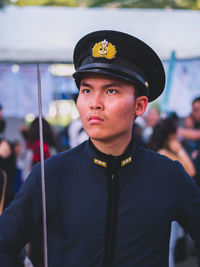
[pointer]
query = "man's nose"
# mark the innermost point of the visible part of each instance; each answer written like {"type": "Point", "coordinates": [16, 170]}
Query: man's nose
{"type": "Point", "coordinates": [97, 102]}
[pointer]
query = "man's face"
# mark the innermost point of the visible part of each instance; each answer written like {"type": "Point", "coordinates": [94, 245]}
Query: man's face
{"type": "Point", "coordinates": [107, 107]}
{"type": "Point", "coordinates": [196, 111]}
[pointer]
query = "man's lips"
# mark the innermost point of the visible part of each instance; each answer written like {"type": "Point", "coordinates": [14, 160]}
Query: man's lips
{"type": "Point", "coordinates": [95, 119]}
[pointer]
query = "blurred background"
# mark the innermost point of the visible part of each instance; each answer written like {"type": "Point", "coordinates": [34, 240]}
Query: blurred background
{"type": "Point", "coordinates": [46, 31]}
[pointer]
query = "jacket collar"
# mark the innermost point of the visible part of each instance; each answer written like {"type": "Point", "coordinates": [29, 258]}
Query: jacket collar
{"type": "Point", "coordinates": [105, 160]}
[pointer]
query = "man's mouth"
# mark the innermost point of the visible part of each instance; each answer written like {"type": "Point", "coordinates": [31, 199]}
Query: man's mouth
{"type": "Point", "coordinates": [95, 119]}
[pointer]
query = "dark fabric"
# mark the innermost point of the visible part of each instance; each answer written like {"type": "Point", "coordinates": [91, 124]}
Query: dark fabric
{"type": "Point", "coordinates": [152, 191]}
{"type": "Point", "coordinates": [196, 162]}
{"type": "Point", "coordinates": [9, 166]}
{"type": "Point", "coordinates": [180, 252]}
{"type": "Point", "coordinates": [1, 183]}
{"type": "Point", "coordinates": [36, 253]}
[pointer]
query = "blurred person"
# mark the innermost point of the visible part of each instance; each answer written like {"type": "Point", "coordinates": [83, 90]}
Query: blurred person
{"type": "Point", "coordinates": [164, 140]}
{"type": "Point", "coordinates": [188, 122]}
{"type": "Point", "coordinates": [196, 112]}
{"type": "Point", "coordinates": [33, 139]}
{"type": "Point", "coordinates": [196, 119]}
{"type": "Point", "coordinates": [18, 180]}
{"type": "Point", "coordinates": [35, 247]}
{"type": "Point", "coordinates": [190, 147]}
{"type": "Point", "coordinates": [151, 119]}
{"type": "Point", "coordinates": [190, 138]}
{"type": "Point", "coordinates": [1, 111]}
{"type": "Point", "coordinates": [73, 134]}
{"type": "Point", "coordinates": [109, 201]}
{"type": "Point", "coordinates": [189, 133]}
{"type": "Point", "coordinates": [196, 151]}
{"type": "Point", "coordinates": [24, 157]}
{"type": "Point", "coordinates": [76, 133]}
{"type": "Point", "coordinates": [3, 184]}
{"type": "Point", "coordinates": [7, 163]}
{"type": "Point", "coordinates": [188, 144]}
{"type": "Point", "coordinates": [192, 133]}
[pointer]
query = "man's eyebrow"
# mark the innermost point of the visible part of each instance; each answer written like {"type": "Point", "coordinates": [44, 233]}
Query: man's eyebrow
{"type": "Point", "coordinates": [85, 84]}
{"type": "Point", "coordinates": [112, 85]}
{"type": "Point", "coordinates": [108, 85]}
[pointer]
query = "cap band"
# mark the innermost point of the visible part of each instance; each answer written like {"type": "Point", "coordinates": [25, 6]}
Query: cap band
{"type": "Point", "coordinates": [115, 68]}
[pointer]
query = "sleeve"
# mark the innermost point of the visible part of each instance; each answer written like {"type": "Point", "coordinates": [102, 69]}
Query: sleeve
{"type": "Point", "coordinates": [188, 213]}
{"type": "Point", "coordinates": [20, 220]}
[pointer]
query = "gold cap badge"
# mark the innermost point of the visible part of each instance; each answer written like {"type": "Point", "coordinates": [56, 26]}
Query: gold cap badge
{"type": "Point", "coordinates": [104, 49]}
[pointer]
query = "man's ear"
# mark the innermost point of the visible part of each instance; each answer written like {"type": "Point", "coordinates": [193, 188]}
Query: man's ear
{"type": "Point", "coordinates": [140, 105]}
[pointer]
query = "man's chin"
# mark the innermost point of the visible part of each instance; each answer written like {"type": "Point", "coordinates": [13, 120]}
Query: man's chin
{"type": "Point", "coordinates": [100, 137]}
{"type": "Point", "coordinates": [103, 138]}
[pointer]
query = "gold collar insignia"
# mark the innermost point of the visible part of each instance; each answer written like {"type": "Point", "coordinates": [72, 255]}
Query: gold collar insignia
{"type": "Point", "coordinates": [104, 164]}
{"type": "Point", "coordinates": [126, 161]}
{"type": "Point", "coordinates": [100, 162]}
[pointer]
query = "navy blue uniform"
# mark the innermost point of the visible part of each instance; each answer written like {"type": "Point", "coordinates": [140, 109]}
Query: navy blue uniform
{"type": "Point", "coordinates": [103, 210]}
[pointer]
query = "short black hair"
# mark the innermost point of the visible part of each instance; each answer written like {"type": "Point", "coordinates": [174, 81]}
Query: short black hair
{"type": "Point", "coordinates": [139, 91]}
{"type": "Point", "coordinates": [197, 99]}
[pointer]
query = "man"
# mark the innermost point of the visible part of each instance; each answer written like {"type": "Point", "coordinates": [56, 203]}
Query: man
{"type": "Point", "coordinates": [196, 112]}
{"type": "Point", "coordinates": [190, 133]}
{"type": "Point", "coordinates": [7, 161]}
{"type": "Point", "coordinates": [109, 202]}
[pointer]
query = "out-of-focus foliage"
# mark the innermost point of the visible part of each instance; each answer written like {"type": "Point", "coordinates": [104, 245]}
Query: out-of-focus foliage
{"type": "Point", "coordinates": [71, 3]}
{"type": "Point", "coordinates": [173, 4]}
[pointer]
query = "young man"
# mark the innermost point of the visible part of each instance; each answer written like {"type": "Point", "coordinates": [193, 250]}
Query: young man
{"type": "Point", "coordinates": [109, 202]}
{"type": "Point", "coordinates": [196, 112]}
{"type": "Point", "coordinates": [193, 134]}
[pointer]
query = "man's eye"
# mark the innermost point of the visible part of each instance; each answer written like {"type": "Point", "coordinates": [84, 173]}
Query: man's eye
{"type": "Point", "coordinates": [86, 91]}
{"type": "Point", "coordinates": [112, 91]}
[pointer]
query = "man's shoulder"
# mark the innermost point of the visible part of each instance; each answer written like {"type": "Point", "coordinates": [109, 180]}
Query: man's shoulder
{"type": "Point", "coordinates": [153, 158]}
{"type": "Point", "coordinates": [67, 157]}
{"type": "Point", "coordinates": [61, 164]}
{"type": "Point", "coordinates": [161, 168]}
{"type": "Point", "coordinates": [150, 154]}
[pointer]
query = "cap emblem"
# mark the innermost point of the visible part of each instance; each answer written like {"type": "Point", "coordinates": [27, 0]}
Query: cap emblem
{"type": "Point", "coordinates": [104, 49]}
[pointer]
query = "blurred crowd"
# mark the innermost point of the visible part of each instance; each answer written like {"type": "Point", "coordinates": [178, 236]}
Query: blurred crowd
{"type": "Point", "coordinates": [174, 137]}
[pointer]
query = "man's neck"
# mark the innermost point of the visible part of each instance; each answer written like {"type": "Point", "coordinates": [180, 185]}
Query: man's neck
{"type": "Point", "coordinates": [115, 148]}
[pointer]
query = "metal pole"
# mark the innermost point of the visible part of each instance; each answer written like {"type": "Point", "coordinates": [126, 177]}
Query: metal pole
{"type": "Point", "coordinates": [42, 168]}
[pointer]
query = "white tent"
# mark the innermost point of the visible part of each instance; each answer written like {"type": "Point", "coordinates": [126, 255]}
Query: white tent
{"type": "Point", "coordinates": [50, 33]}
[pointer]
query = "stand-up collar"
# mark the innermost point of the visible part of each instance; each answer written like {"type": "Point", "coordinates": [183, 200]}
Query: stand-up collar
{"type": "Point", "coordinates": [105, 160]}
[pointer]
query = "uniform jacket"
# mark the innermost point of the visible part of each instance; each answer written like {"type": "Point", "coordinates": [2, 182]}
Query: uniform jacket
{"type": "Point", "coordinates": [103, 211]}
